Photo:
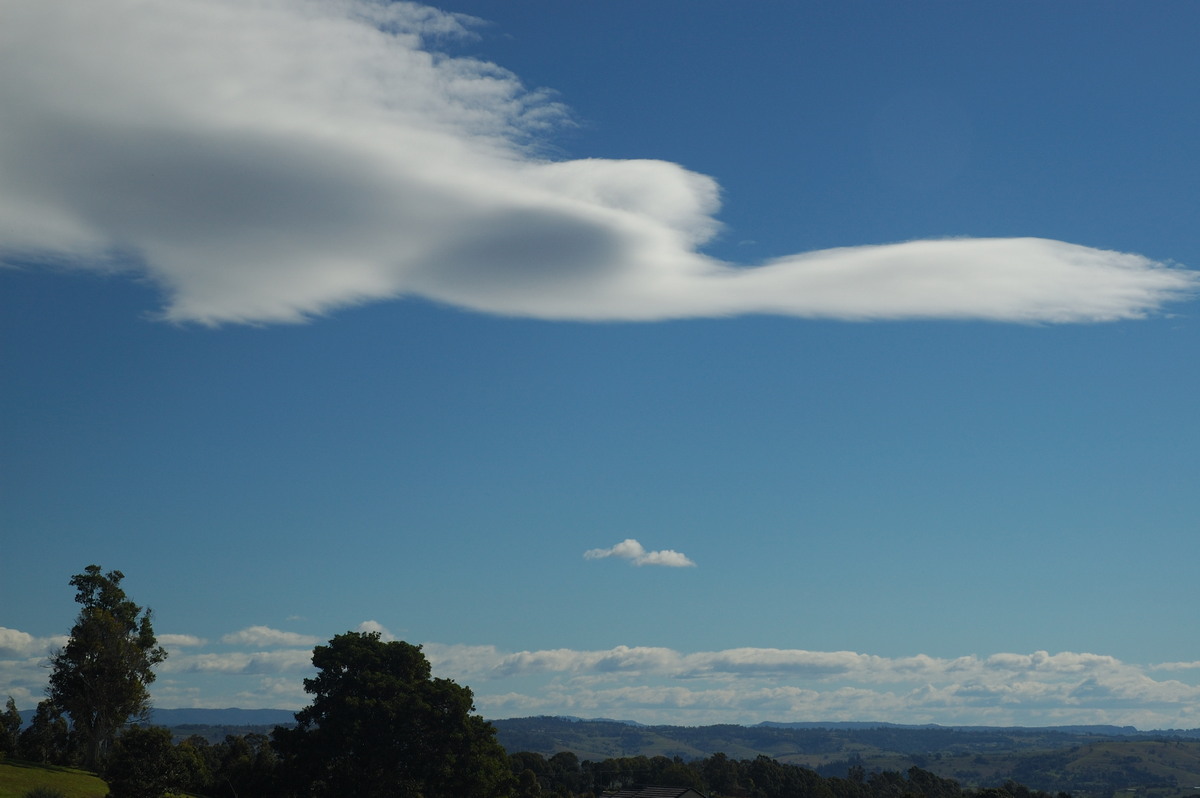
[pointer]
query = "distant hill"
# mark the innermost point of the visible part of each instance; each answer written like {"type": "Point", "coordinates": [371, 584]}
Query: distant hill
{"type": "Point", "coordinates": [1116, 731]}
{"type": "Point", "coordinates": [599, 739]}
{"type": "Point", "coordinates": [208, 717]}
{"type": "Point", "coordinates": [221, 717]}
{"type": "Point", "coordinates": [1081, 760]}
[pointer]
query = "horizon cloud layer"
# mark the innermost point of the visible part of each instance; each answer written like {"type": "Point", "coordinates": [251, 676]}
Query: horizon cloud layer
{"type": "Point", "coordinates": [663, 685]}
{"type": "Point", "coordinates": [287, 158]}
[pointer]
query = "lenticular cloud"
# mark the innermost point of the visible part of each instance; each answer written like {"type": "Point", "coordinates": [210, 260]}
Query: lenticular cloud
{"type": "Point", "coordinates": [273, 161]}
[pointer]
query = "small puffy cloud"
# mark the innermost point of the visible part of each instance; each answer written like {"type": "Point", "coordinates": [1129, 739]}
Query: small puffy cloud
{"type": "Point", "coordinates": [237, 662]}
{"type": "Point", "coordinates": [462, 660]}
{"type": "Point", "coordinates": [766, 661]}
{"type": "Point", "coordinates": [274, 692]}
{"type": "Point", "coordinates": [181, 641]}
{"type": "Point", "coordinates": [24, 680]}
{"type": "Point", "coordinates": [23, 661]}
{"type": "Point", "coordinates": [266, 636]}
{"type": "Point", "coordinates": [378, 628]}
{"type": "Point", "coordinates": [1178, 666]}
{"type": "Point", "coordinates": [1065, 662]}
{"type": "Point", "coordinates": [488, 662]}
{"type": "Point", "coordinates": [15, 643]}
{"type": "Point", "coordinates": [286, 158]}
{"type": "Point", "coordinates": [630, 549]}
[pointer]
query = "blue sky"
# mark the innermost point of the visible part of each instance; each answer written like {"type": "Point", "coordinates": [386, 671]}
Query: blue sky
{"type": "Point", "coordinates": [683, 362]}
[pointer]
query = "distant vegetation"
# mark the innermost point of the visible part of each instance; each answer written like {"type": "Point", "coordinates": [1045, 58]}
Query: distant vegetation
{"type": "Point", "coordinates": [1097, 762]}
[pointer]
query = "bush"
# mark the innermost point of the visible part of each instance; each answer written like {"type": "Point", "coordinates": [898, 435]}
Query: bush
{"type": "Point", "coordinates": [143, 764]}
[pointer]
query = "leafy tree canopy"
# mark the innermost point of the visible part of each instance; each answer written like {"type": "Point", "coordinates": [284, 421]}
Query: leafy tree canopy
{"type": "Point", "coordinates": [46, 739]}
{"type": "Point", "coordinates": [144, 764]}
{"type": "Point", "coordinates": [380, 725]}
{"type": "Point", "coordinates": [10, 727]}
{"type": "Point", "coordinates": [100, 678]}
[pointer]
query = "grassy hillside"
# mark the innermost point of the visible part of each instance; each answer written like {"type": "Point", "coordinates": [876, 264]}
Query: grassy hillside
{"type": "Point", "coordinates": [17, 778]}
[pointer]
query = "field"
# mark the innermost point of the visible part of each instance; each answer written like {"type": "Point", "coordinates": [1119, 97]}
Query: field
{"type": "Point", "coordinates": [17, 778]}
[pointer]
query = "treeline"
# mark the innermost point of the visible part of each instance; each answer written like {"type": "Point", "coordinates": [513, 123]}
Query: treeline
{"type": "Point", "coordinates": [146, 762]}
{"type": "Point", "coordinates": [47, 739]}
{"type": "Point", "coordinates": [564, 776]}
{"type": "Point", "coordinates": [595, 739]}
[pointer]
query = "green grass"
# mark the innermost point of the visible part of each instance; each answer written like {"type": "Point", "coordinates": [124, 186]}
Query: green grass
{"type": "Point", "coordinates": [18, 777]}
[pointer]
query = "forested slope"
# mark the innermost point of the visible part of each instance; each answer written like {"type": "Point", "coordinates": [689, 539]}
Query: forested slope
{"type": "Point", "coordinates": [1093, 761]}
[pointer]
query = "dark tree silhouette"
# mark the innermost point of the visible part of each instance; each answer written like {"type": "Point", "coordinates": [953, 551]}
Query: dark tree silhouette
{"type": "Point", "coordinates": [380, 725]}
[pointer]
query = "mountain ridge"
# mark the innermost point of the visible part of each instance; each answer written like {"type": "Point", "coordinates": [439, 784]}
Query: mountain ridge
{"type": "Point", "coordinates": [236, 716]}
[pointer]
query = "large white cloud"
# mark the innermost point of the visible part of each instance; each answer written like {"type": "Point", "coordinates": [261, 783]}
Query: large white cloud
{"type": "Point", "coordinates": [375, 627]}
{"type": "Point", "coordinates": [23, 665]}
{"type": "Point", "coordinates": [238, 662]}
{"type": "Point", "coordinates": [266, 636]}
{"type": "Point", "coordinates": [269, 161]}
{"type": "Point", "coordinates": [15, 643]}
